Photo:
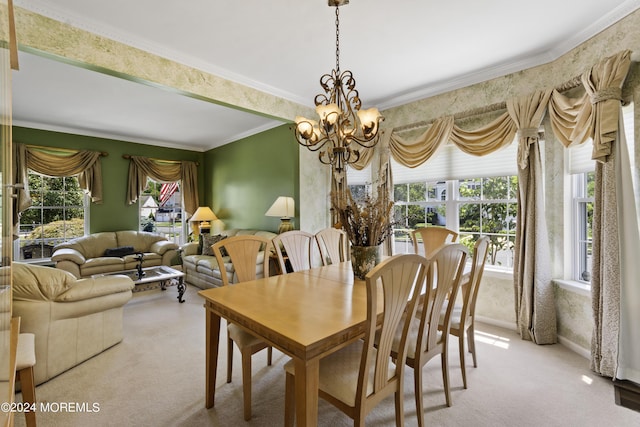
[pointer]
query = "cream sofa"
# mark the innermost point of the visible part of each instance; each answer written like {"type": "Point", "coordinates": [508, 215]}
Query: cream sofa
{"type": "Point", "coordinates": [202, 270]}
{"type": "Point", "coordinates": [72, 319]}
{"type": "Point", "coordinates": [85, 256]}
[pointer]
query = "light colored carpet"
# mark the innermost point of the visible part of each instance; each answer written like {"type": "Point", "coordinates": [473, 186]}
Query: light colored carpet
{"type": "Point", "coordinates": [155, 377]}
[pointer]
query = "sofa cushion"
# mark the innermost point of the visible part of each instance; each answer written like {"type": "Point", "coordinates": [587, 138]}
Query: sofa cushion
{"type": "Point", "coordinates": [36, 282]}
{"type": "Point", "coordinates": [208, 241]}
{"type": "Point", "coordinates": [119, 252]}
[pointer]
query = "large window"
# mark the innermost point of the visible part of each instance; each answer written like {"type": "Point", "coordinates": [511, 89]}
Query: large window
{"type": "Point", "coordinates": [473, 207]}
{"type": "Point", "coordinates": [57, 214]}
{"type": "Point", "coordinates": [161, 212]}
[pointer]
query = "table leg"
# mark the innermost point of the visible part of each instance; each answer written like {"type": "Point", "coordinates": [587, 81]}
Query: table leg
{"type": "Point", "coordinates": [211, 357]}
{"type": "Point", "coordinates": [307, 378]}
{"type": "Point", "coordinates": [181, 289]}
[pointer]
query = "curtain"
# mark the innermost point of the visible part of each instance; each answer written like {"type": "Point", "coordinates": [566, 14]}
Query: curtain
{"type": "Point", "coordinates": [141, 168]}
{"type": "Point", "coordinates": [615, 351]}
{"type": "Point", "coordinates": [58, 163]}
{"type": "Point", "coordinates": [534, 297]}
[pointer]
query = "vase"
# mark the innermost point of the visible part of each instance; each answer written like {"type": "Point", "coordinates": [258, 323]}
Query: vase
{"type": "Point", "coordinates": [364, 259]}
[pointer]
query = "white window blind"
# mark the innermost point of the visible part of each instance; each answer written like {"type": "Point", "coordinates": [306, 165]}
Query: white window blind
{"type": "Point", "coordinates": [359, 177]}
{"type": "Point", "coordinates": [450, 163]}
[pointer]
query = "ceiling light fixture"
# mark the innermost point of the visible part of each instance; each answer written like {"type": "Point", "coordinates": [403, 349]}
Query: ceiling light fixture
{"type": "Point", "coordinates": [341, 121]}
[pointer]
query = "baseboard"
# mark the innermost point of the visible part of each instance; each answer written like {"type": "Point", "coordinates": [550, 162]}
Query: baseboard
{"type": "Point", "coordinates": [499, 323]}
{"type": "Point", "coordinates": [561, 340]}
{"type": "Point", "coordinates": [575, 347]}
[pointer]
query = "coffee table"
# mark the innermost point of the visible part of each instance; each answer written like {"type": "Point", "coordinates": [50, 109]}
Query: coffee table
{"type": "Point", "coordinates": [160, 273]}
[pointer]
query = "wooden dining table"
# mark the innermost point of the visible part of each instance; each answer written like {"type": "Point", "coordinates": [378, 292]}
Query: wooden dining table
{"type": "Point", "coordinates": [306, 315]}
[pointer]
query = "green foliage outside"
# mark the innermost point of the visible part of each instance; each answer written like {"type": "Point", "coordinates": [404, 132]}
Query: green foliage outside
{"type": "Point", "coordinates": [482, 210]}
{"type": "Point", "coordinates": [63, 195]}
{"type": "Point", "coordinates": [57, 230]}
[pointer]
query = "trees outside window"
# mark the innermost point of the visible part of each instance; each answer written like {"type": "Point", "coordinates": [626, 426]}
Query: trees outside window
{"type": "Point", "coordinates": [473, 207]}
{"type": "Point", "coordinates": [57, 214]}
{"type": "Point", "coordinates": [583, 202]}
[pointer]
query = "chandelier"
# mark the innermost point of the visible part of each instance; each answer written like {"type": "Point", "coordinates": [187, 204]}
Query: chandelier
{"type": "Point", "coordinates": [341, 121]}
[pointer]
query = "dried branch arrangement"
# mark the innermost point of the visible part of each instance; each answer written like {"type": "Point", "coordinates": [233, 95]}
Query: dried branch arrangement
{"type": "Point", "coordinates": [367, 221]}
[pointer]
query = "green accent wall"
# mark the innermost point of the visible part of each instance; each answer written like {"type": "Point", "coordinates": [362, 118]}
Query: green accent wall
{"type": "Point", "coordinates": [113, 213]}
{"type": "Point", "coordinates": [245, 177]}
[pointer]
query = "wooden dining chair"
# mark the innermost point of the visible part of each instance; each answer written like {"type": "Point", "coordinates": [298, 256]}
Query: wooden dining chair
{"type": "Point", "coordinates": [358, 377]}
{"type": "Point", "coordinates": [463, 315]}
{"type": "Point", "coordinates": [432, 238]}
{"type": "Point", "coordinates": [296, 245]}
{"type": "Point", "coordinates": [244, 252]}
{"type": "Point", "coordinates": [332, 244]}
{"type": "Point", "coordinates": [425, 340]}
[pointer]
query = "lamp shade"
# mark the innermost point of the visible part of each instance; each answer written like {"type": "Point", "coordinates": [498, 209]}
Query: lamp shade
{"type": "Point", "coordinates": [203, 213]}
{"type": "Point", "coordinates": [283, 207]}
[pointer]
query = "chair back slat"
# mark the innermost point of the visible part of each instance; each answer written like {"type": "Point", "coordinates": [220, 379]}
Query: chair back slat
{"type": "Point", "coordinates": [244, 252]}
{"type": "Point", "coordinates": [432, 238]}
{"type": "Point", "coordinates": [399, 277]}
{"type": "Point", "coordinates": [297, 246]}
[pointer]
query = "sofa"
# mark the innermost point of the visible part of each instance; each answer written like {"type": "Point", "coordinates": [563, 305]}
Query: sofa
{"type": "Point", "coordinates": [200, 266]}
{"type": "Point", "coordinates": [72, 319]}
{"type": "Point", "coordinates": [109, 252]}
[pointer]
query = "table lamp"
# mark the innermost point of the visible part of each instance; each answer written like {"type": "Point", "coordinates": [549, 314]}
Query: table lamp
{"type": "Point", "coordinates": [201, 220]}
{"type": "Point", "coordinates": [283, 207]}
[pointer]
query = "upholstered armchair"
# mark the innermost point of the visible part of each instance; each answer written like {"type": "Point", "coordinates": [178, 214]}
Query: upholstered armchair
{"type": "Point", "coordinates": [72, 319]}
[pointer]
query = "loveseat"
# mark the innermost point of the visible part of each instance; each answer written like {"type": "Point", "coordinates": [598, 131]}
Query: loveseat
{"type": "Point", "coordinates": [72, 319]}
{"type": "Point", "coordinates": [200, 265]}
{"type": "Point", "coordinates": [114, 251]}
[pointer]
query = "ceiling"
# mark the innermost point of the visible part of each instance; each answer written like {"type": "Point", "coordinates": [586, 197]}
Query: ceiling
{"type": "Point", "coordinates": [399, 52]}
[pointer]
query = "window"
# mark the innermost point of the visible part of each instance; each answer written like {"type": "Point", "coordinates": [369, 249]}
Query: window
{"type": "Point", "coordinates": [583, 202]}
{"type": "Point", "coordinates": [481, 207]}
{"type": "Point", "coordinates": [57, 214]}
{"type": "Point", "coordinates": [160, 207]}
{"type": "Point", "coordinates": [474, 196]}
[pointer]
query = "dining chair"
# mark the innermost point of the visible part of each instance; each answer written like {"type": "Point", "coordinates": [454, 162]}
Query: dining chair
{"type": "Point", "coordinates": [432, 239]}
{"type": "Point", "coordinates": [425, 340]}
{"type": "Point", "coordinates": [244, 253]}
{"type": "Point", "coordinates": [463, 315]}
{"type": "Point", "coordinates": [332, 244]}
{"type": "Point", "coordinates": [358, 377]}
{"type": "Point", "coordinates": [296, 244]}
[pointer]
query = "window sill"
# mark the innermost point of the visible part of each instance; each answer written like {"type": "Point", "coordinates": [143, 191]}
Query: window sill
{"type": "Point", "coordinates": [574, 286]}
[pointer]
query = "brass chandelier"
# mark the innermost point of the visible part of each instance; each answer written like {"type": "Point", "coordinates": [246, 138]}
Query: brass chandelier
{"type": "Point", "coordinates": [341, 121]}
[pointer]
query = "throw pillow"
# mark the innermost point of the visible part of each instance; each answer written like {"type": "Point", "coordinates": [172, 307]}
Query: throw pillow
{"type": "Point", "coordinates": [119, 251]}
{"type": "Point", "coordinates": [209, 240]}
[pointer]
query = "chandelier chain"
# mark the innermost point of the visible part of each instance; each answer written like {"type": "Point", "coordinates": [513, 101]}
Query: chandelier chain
{"type": "Point", "coordinates": [338, 40]}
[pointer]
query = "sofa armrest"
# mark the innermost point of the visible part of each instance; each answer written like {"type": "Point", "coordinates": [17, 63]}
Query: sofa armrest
{"type": "Point", "coordinates": [92, 288]}
{"type": "Point", "coordinates": [68, 254]}
{"type": "Point", "coordinates": [190, 248]}
{"type": "Point", "coordinates": [162, 246]}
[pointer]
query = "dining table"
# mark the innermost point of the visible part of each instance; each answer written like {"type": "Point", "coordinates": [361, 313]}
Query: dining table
{"type": "Point", "coordinates": [306, 315]}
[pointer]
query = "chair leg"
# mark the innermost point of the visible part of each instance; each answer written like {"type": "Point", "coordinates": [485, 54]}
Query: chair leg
{"type": "Point", "coordinates": [471, 340]}
{"type": "Point", "coordinates": [289, 400]}
{"type": "Point", "coordinates": [28, 393]}
{"type": "Point", "coordinates": [246, 383]}
{"type": "Point", "coordinates": [399, 395]}
{"type": "Point", "coordinates": [463, 368]}
{"type": "Point", "coordinates": [269, 355]}
{"type": "Point", "coordinates": [445, 377]}
{"type": "Point", "coordinates": [229, 359]}
{"type": "Point", "coordinates": [417, 379]}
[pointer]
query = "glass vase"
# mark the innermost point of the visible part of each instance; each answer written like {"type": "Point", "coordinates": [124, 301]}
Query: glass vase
{"type": "Point", "coordinates": [364, 259]}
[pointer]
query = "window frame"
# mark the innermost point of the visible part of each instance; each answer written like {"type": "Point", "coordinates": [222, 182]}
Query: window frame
{"type": "Point", "coordinates": [52, 241]}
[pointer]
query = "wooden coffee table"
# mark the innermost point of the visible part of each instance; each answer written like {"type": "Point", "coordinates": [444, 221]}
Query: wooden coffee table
{"type": "Point", "coordinates": [161, 273]}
